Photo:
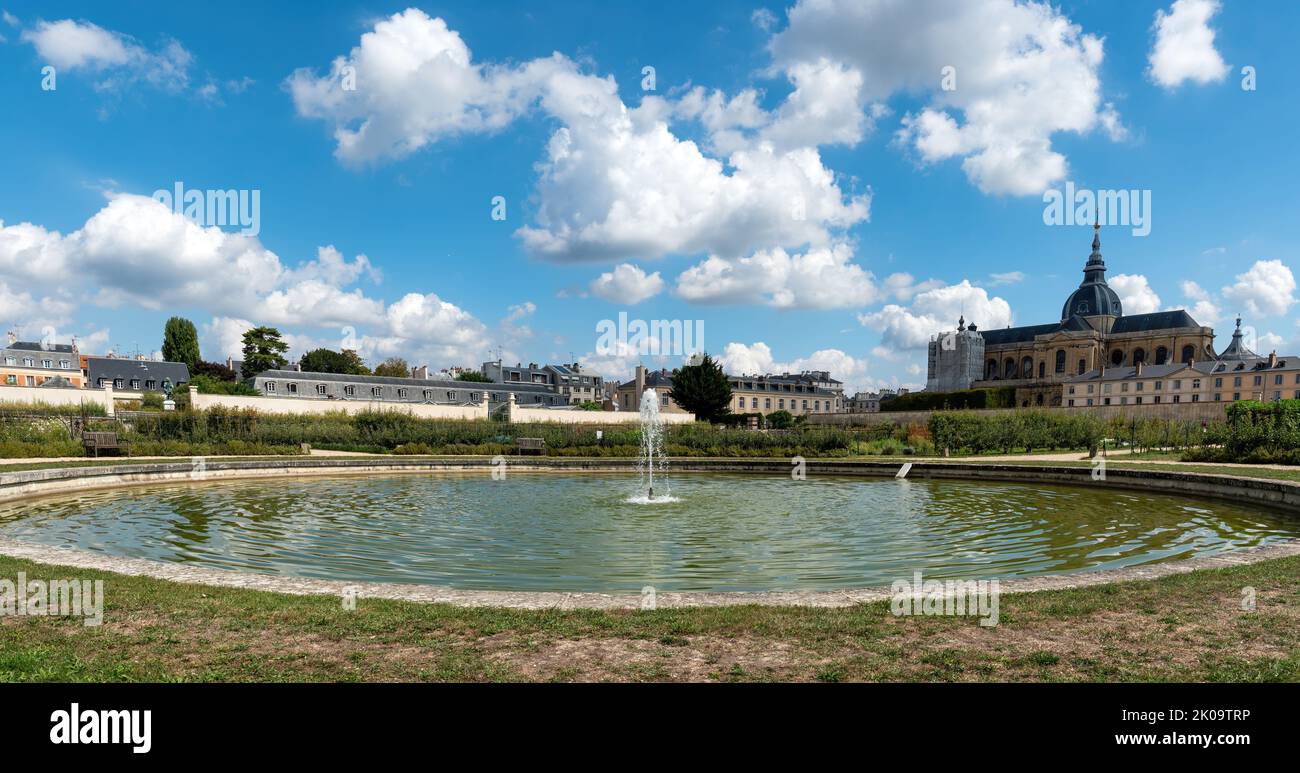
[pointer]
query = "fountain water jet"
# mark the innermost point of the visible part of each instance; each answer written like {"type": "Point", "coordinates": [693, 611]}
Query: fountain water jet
{"type": "Point", "coordinates": [652, 462]}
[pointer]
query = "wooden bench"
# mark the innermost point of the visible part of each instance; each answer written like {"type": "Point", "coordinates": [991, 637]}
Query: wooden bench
{"type": "Point", "coordinates": [531, 444]}
{"type": "Point", "coordinates": [95, 441]}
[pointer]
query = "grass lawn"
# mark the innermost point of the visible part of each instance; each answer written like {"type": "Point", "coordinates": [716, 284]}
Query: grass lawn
{"type": "Point", "coordinates": [1185, 628]}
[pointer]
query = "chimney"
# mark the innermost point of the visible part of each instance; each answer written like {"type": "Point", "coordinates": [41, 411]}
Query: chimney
{"type": "Point", "coordinates": [1272, 359]}
{"type": "Point", "coordinates": [12, 336]}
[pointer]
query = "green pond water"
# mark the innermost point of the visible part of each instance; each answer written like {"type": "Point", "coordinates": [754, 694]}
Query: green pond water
{"type": "Point", "coordinates": [581, 532]}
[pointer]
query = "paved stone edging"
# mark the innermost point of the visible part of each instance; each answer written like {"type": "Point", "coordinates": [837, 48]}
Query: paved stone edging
{"type": "Point", "coordinates": [434, 594]}
{"type": "Point", "coordinates": [29, 483]}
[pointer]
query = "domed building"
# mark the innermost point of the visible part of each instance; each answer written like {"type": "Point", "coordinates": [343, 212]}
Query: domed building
{"type": "Point", "coordinates": [1093, 332]}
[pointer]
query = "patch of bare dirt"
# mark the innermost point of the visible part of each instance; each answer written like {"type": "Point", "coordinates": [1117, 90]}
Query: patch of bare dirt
{"type": "Point", "coordinates": [697, 659]}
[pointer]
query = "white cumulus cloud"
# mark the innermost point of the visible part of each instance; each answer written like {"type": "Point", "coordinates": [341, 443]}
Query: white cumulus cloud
{"type": "Point", "coordinates": [1135, 293]}
{"type": "Point", "coordinates": [1023, 72]}
{"type": "Point", "coordinates": [1204, 310]}
{"type": "Point", "coordinates": [614, 181]}
{"type": "Point", "coordinates": [1266, 289]}
{"type": "Point", "coordinates": [627, 284]}
{"type": "Point", "coordinates": [820, 278]}
{"type": "Point", "coordinates": [136, 251]}
{"type": "Point", "coordinates": [1184, 47]}
{"type": "Point", "coordinates": [116, 58]}
{"type": "Point", "coordinates": [905, 328]}
{"type": "Point", "coordinates": [757, 359]}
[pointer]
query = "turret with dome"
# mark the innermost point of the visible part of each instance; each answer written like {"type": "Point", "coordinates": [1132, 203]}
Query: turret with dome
{"type": "Point", "coordinates": [1094, 298]}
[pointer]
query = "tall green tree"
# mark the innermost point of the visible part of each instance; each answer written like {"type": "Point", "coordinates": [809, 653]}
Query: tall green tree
{"type": "Point", "coordinates": [473, 375]}
{"type": "Point", "coordinates": [395, 367]}
{"type": "Point", "coordinates": [702, 389]}
{"type": "Point", "coordinates": [213, 370]}
{"type": "Point", "coordinates": [263, 350]}
{"type": "Point", "coordinates": [330, 361]}
{"type": "Point", "coordinates": [181, 342]}
{"type": "Point", "coordinates": [356, 365]}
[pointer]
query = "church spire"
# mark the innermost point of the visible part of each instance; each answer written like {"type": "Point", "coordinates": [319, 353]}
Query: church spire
{"type": "Point", "coordinates": [1094, 271]}
{"type": "Point", "coordinates": [1095, 257]}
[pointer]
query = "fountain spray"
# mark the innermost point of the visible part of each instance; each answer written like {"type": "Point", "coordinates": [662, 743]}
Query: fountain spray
{"type": "Point", "coordinates": [652, 459]}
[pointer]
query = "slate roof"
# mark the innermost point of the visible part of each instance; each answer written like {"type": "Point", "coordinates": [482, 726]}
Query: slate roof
{"type": "Point", "coordinates": [1016, 335]}
{"type": "Point", "coordinates": [1137, 323]}
{"type": "Point", "coordinates": [113, 368]}
{"type": "Point", "coordinates": [36, 346]}
{"type": "Point", "coordinates": [478, 386]}
{"type": "Point", "coordinates": [1237, 350]}
{"type": "Point", "coordinates": [57, 382]}
{"type": "Point", "coordinates": [1204, 367]}
{"type": "Point", "coordinates": [1158, 320]}
{"type": "Point", "coordinates": [1251, 365]}
{"type": "Point", "coordinates": [654, 378]}
{"type": "Point", "coordinates": [1148, 371]}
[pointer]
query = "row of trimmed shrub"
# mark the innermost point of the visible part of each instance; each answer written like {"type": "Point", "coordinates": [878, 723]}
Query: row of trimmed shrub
{"type": "Point", "coordinates": [47, 409]}
{"type": "Point", "coordinates": [967, 399]}
{"type": "Point", "coordinates": [1254, 433]}
{"type": "Point", "coordinates": [391, 431]}
{"type": "Point", "coordinates": [971, 432]}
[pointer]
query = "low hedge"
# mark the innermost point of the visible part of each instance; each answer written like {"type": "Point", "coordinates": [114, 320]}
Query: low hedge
{"type": "Point", "coordinates": [968, 399]}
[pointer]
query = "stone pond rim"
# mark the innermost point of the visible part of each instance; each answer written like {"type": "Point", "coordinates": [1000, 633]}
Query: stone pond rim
{"type": "Point", "coordinates": [1275, 494]}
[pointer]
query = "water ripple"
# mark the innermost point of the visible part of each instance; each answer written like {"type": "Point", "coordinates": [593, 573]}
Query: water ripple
{"type": "Point", "coordinates": [580, 533]}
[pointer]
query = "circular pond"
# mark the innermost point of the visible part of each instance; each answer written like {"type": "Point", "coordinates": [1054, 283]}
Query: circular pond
{"type": "Point", "coordinates": [562, 532]}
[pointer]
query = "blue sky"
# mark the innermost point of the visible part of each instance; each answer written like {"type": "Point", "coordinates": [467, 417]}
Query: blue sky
{"type": "Point", "coordinates": [916, 202]}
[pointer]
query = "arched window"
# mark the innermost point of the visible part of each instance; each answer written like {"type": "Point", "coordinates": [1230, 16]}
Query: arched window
{"type": "Point", "coordinates": [1060, 360]}
{"type": "Point", "coordinates": [1009, 368]}
{"type": "Point", "coordinates": [1162, 355]}
{"type": "Point", "coordinates": [1117, 357]}
{"type": "Point", "coordinates": [991, 370]}
{"type": "Point", "coordinates": [1027, 367]}
{"type": "Point", "coordinates": [1083, 366]}
{"type": "Point", "coordinates": [1139, 355]}
{"type": "Point", "coordinates": [1189, 353]}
